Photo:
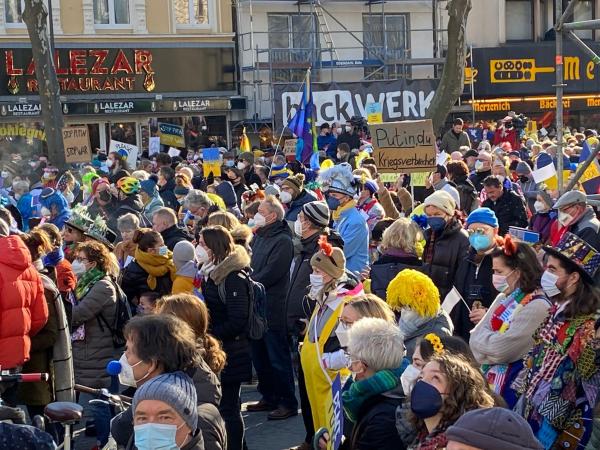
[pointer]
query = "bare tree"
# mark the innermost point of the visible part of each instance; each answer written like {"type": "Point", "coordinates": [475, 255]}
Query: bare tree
{"type": "Point", "coordinates": [452, 79]}
{"type": "Point", "coordinates": [35, 17]}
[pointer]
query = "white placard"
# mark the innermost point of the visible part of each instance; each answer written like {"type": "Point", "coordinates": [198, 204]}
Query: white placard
{"type": "Point", "coordinates": [132, 150]}
{"type": "Point", "coordinates": [153, 146]}
{"type": "Point", "coordinates": [173, 152]}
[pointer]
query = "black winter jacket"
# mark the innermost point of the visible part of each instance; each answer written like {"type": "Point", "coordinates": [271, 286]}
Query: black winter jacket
{"type": "Point", "coordinates": [134, 282]}
{"type": "Point", "coordinates": [509, 209]}
{"type": "Point", "coordinates": [272, 253]}
{"type": "Point", "coordinates": [478, 177]}
{"type": "Point", "coordinates": [229, 319]}
{"type": "Point", "coordinates": [168, 196]}
{"type": "Point", "coordinates": [449, 249]}
{"type": "Point", "coordinates": [173, 235]}
{"type": "Point", "coordinates": [387, 267]}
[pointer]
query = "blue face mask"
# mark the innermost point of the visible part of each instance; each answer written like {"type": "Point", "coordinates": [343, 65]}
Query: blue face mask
{"type": "Point", "coordinates": [229, 162]}
{"type": "Point", "coordinates": [425, 400]}
{"type": "Point", "coordinates": [162, 251]}
{"type": "Point", "coordinates": [437, 224]}
{"type": "Point", "coordinates": [333, 203]}
{"type": "Point", "coordinates": [150, 436]}
{"type": "Point", "coordinates": [480, 242]}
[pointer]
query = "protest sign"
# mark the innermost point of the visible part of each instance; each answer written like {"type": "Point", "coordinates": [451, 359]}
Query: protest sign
{"type": "Point", "coordinates": [289, 147]}
{"type": "Point", "coordinates": [153, 146]}
{"type": "Point", "coordinates": [407, 146]}
{"type": "Point", "coordinates": [132, 151]}
{"type": "Point", "coordinates": [418, 178]}
{"type": "Point", "coordinates": [77, 144]}
{"type": "Point", "coordinates": [374, 112]}
{"type": "Point", "coordinates": [171, 135]}
{"type": "Point", "coordinates": [173, 152]}
{"type": "Point", "coordinates": [211, 162]}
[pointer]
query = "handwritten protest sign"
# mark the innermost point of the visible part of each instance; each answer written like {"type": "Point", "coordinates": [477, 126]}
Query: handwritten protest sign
{"type": "Point", "coordinates": [211, 162]}
{"type": "Point", "coordinates": [374, 113]}
{"type": "Point", "coordinates": [77, 144]}
{"type": "Point", "coordinates": [171, 135]}
{"type": "Point", "coordinates": [407, 146]}
{"type": "Point", "coordinates": [132, 151]}
{"type": "Point", "coordinates": [289, 148]}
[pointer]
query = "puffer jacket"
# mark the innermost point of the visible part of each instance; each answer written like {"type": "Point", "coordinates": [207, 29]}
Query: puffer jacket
{"type": "Point", "coordinates": [447, 251]}
{"type": "Point", "coordinates": [296, 205]}
{"type": "Point", "coordinates": [23, 308]}
{"type": "Point", "coordinates": [272, 253]}
{"type": "Point", "coordinates": [91, 354]}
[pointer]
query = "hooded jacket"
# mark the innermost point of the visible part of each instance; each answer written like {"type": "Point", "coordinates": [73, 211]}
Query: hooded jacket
{"type": "Point", "coordinates": [168, 196]}
{"type": "Point", "coordinates": [296, 205]}
{"type": "Point", "coordinates": [23, 308]}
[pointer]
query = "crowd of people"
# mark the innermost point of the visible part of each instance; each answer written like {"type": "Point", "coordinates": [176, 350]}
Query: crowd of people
{"type": "Point", "coordinates": [421, 315]}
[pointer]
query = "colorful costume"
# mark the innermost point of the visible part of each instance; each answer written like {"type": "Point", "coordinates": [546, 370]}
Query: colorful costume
{"type": "Point", "coordinates": [51, 198]}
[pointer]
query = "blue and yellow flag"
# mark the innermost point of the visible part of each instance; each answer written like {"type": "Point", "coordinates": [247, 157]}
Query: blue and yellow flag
{"type": "Point", "coordinates": [303, 125]}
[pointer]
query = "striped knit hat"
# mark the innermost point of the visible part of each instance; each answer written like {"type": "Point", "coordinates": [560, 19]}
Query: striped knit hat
{"type": "Point", "coordinates": [317, 213]}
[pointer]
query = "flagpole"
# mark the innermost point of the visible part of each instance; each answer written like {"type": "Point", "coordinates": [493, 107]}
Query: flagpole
{"type": "Point", "coordinates": [288, 116]}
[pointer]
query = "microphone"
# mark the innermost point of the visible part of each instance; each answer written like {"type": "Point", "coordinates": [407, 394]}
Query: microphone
{"type": "Point", "coordinates": [113, 368]}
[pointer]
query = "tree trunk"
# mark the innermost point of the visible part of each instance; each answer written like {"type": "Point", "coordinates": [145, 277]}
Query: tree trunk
{"type": "Point", "coordinates": [35, 17]}
{"type": "Point", "coordinates": [452, 79]}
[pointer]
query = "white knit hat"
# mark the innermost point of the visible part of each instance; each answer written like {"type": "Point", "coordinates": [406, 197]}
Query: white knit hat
{"type": "Point", "coordinates": [441, 200]}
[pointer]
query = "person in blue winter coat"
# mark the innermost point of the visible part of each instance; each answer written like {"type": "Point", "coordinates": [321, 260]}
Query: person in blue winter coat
{"type": "Point", "coordinates": [341, 186]}
{"type": "Point", "coordinates": [55, 206]}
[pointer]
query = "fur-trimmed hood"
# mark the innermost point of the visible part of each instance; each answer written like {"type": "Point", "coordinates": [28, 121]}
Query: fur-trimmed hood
{"type": "Point", "coordinates": [237, 260]}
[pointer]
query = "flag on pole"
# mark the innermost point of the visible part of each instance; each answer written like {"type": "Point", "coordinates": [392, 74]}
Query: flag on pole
{"type": "Point", "coordinates": [303, 125]}
{"type": "Point", "coordinates": [245, 142]}
{"type": "Point", "coordinates": [590, 178]}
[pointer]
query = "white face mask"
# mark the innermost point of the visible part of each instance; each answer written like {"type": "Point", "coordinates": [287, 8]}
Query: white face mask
{"type": "Point", "coordinates": [539, 206]}
{"type": "Point", "coordinates": [564, 218]}
{"type": "Point", "coordinates": [78, 267]}
{"type": "Point", "coordinates": [478, 165]}
{"type": "Point", "coordinates": [548, 283]}
{"type": "Point", "coordinates": [409, 378]}
{"type": "Point", "coordinates": [298, 227]}
{"type": "Point", "coordinates": [341, 333]}
{"type": "Point", "coordinates": [259, 220]}
{"type": "Point", "coordinates": [202, 254]}
{"type": "Point", "coordinates": [126, 376]}
{"type": "Point", "coordinates": [241, 165]}
{"type": "Point", "coordinates": [316, 285]}
{"type": "Point", "coordinates": [501, 178]}
{"type": "Point", "coordinates": [285, 197]}
{"type": "Point", "coordinates": [110, 163]}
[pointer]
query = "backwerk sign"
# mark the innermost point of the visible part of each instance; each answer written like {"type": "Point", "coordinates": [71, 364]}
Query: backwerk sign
{"type": "Point", "coordinates": [339, 102]}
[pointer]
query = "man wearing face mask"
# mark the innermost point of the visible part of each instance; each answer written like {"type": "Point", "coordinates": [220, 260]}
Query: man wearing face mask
{"type": "Point", "coordinates": [577, 217]}
{"type": "Point", "coordinates": [347, 220]}
{"type": "Point", "coordinates": [272, 253]}
{"type": "Point", "coordinates": [528, 186]}
{"type": "Point", "coordinates": [446, 243]}
{"type": "Point", "coordinates": [474, 274]}
{"type": "Point", "coordinates": [294, 196]}
{"type": "Point", "coordinates": [246, 165]}
{"type": "Point", "coordinates": [563, 345]}
{"type": "Point", "coordinates": [483, 169]}
{"type": "Point", "coordinates": [349, 138]}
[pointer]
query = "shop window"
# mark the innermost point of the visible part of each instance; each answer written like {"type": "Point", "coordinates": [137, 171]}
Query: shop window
{"type": "Point", "coordinates": [191, 12]}
{"type": "Point", "coordinates": [111, 12]}
{"type": "Point", "coordinates": [123, 132]}
{"type": "Point", "coordinates": [293, 40]}
{"type": "Point", "coordinates": [519, 20]}
{"type": "Point", "coordinates": [13, 9]}
{"type": "Point", "coordinates": [387, 40]}
{"type": "Point", "coordinates": [584, 10]}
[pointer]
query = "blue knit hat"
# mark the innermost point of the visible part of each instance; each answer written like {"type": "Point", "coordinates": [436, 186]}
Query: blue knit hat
{"type": "Point", "coordinates": [483, 215]}
{"type": "Point", "coordinates": [148, 186]}
{"type": "Point", "coordinates": [177, 390]}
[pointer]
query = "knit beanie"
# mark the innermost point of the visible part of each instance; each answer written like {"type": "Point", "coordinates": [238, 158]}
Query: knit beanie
{"type": "Point", "coordinates": [148, 186]}
{"type": "Point", "coordinates": [175, 389]}
{"type": "Point", "coordinates": [483, 215]}
{"type": "Point", "coordinates": [523, 168]}
{"type": "Point", "coordinates": [248, 157]}
{"type": "Point", "coordinates": [546, 197]}
{"type": "Point", "coordinates": [441, 200]}
{"type": "Point", "coordinates": [295, 183]}
{"type": "Point", "coordinates": [329, 259]}
{"type": "Point", "coordinates": [317, 213]}
{"type": "Point", "coordinates": [183, 252]}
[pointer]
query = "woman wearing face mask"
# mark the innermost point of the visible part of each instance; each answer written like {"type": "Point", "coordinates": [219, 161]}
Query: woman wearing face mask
{"type": "Point", "coordinates": [152, 268]}
{"type": "Point", "coordinates": [294, 196]}
{"type": "Point", "coordinates": [367, 203]}
{"type": "Point", "coordinates": [541, 222]}
{"type": "Point", "coordinates": [117, 166]}
{"type": "Point", "coordinates": [226, 293]}
{"type": "Point", "coordinates": [92, 342]}
{"type": "Point", "coordinates": [418, 299]}
{"type": "Point", "coordinates": [474, 274]}
{"type": "Point", "coordinates": [504, 335]}
{"type": "Point", "coordinates": [449, 386]}
{"type": "Point", "coordinates": [66, 280]}
{"type": "Point", "coordinates": [446, 241]}
{"type": "Point", "coordinates": [125, 250]}
{"type": "Point", "coordinates": [561, 368]}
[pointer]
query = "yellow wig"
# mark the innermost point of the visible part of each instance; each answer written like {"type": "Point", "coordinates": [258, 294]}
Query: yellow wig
{"type": "Point", "coordinates": [414, 290]}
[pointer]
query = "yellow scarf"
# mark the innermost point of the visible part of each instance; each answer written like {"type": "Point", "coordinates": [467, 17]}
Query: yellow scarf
{"type": "Point", "coordinates": [155, 265]}
{"type": "Point", "coordinates": [338, 212]}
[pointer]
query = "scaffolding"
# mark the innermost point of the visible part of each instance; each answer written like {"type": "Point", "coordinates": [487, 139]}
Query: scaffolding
{"type": "Point", "coordinates": [383, 50]}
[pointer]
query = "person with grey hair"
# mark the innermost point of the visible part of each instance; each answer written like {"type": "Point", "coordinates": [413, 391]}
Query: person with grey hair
{"type": "Point", "coordinates": [164, 221]}
{"type": "Point", "coordinates": [272, 253]}
{"type": "Point", "coordinates": [125, 250]}
{"type": "Point", "coordinates": [376, 352]}
{"type": "Point", "coordinates": [198, 204]}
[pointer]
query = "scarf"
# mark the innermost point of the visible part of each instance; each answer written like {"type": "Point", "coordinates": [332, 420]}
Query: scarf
{"type": "Point", "coordinates": [87, 281]}
{"type": "Point", "coordinates": [54, 257]}
{"type": "Point", "coordinates": [360, 391]}
{"type": "Point", "coordinates": [410, 321]}
{"type": "Point", "coordinates": [155, 265]}
{"type": "Point", "coordinates": [338, 212]}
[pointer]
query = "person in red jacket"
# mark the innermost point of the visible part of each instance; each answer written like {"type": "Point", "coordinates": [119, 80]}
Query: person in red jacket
{"type": "Point", "coordinates": [23, 309]}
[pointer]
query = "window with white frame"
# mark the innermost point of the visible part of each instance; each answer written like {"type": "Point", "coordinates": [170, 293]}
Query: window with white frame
{"type": "Point", "coordinates": [387, 40]}
{"type": "Point", "coordinates": [191, 12]}
{"type": "Point", "coordinates": [13, 10]}
{"type": "Point", "coordinates": [519, 20]}
{"type": "Point", "coordinates": [111, 12]}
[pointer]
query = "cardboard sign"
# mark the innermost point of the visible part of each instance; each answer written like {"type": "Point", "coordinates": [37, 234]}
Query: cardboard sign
{"type": "Point", "coordinates": [374, 113]}
{"type": "Point", "coordinates": [153, 146]}
{"type": "Point", "coordinates": [171, 135]}
{"type": "Point", "coordinates": [289, 147]}
{"type": "Point", "coordinates": [211, 162]}
{"type": "Point", "coordinates": [407, 146]}
{"type": "Point", "coordinates": [418, 178]}
{"type": "Point", "coordinates": [77, 144]}
{"type": "Point", "coordinates": [132, 151]}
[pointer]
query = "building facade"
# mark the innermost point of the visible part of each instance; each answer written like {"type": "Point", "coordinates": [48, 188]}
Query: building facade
{"type": "Point", "coordinates": [124, 67]}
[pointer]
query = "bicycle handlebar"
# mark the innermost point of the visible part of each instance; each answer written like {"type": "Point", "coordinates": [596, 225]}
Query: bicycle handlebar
{"type": "Point", "coordinates": [24, 377]}
{"type": "Point", "coordinates": [103, 394]}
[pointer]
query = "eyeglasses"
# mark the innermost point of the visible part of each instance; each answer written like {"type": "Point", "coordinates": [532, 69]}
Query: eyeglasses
{"type": "Point", "coordinates": [477, 231]}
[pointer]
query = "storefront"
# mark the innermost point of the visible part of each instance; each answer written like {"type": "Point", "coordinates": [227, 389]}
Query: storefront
{"type": "Point", "coordinates": [123, 93]}
{"type": "Point", "coordinates": [521, 78]}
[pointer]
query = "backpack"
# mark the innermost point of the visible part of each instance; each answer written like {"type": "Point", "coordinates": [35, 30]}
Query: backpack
{"type": "Point", "coordinates": [257, 314]}
{"type": "Point", "coordinates": [122, 316]}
